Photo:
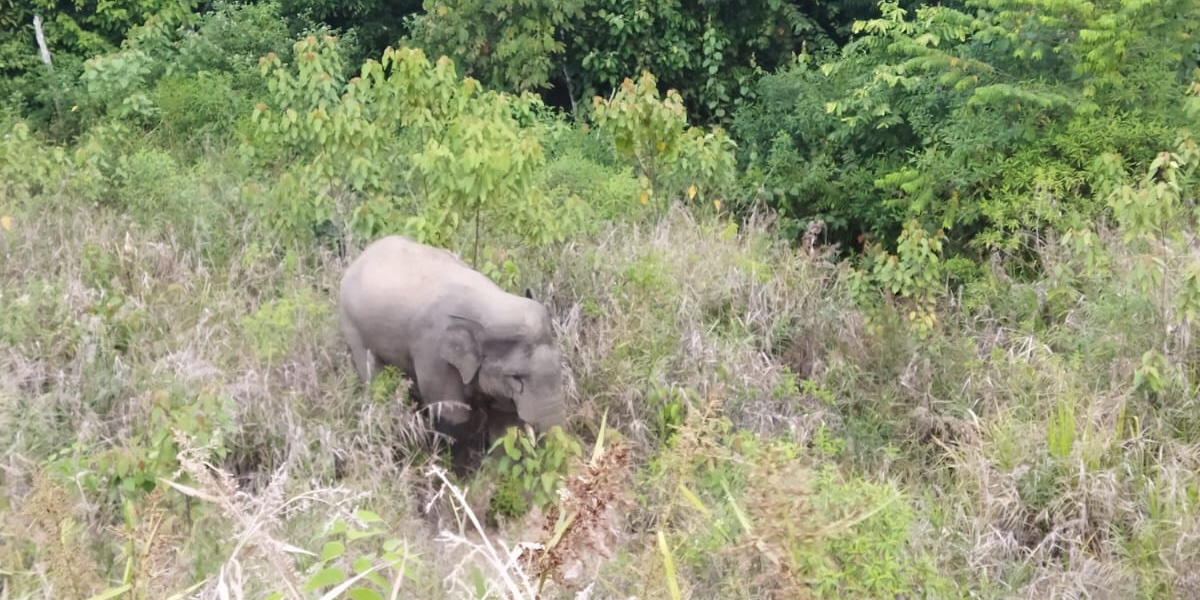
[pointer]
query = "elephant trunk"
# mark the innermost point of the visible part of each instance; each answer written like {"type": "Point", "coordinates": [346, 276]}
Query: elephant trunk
{"type": "Point", "coordinates": [543, 414]}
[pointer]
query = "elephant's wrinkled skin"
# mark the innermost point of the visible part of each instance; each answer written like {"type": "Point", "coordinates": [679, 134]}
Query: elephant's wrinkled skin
{"type": "Point", "coordinates": [475, 353]}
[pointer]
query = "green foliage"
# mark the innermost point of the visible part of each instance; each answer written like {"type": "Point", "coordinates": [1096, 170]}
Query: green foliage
{"type": "Point", "coordinates": [1041, 484]}
{"type": "Point", "coordinates": [482, 160]}
{"type": "Point", "coordinates": [913, 277]}
{"type": "Point", "coordinates": [120, 321]}
{"type": "Point", "coordinates": [194, 106]}
{"type": "Point", "coordinates": [506, 44]}
{"type": "Point", "coordinates": [229, 39]}
{"type": "Point", "coordinates": [529, 470]}
{"type": "Point", "coordinates": [152, 182]}
{"type": "Point", "coordinates": [989, 120]}
{"type": "Point", "coordinates": [150, 185]}
{"type": "Point", "coordinates": [670, 406]}
{"type": "Point", "coordinates": [385, 384]}
{"type": "Point", "coordinates": [116, 84]}
{"type": "Point", "coordinates": [594, 192]}
{"type": "Point", "coordinates": [210, 75]}
{"type": "Point", "coordinates": [273, 327]}
{"type": "Point", "coordinates": [405, 146]}
{"type": "Point", "coordinates": [134, 466]}
{"type": "Point", "coordinates": [27, 165]}
{"type": "Point", "coordinates": [805, 163]}
{"type": "Point", "coordinates": [1154, 213]}
{"type": "Point", "coordinates": [670, 158]}
{"type": "Point", "coordinates": [1060, 430]}
{"type": "Point", "coordinates": [36, 322]}
{"type": "Point", "coordinates": [190, 72]}
{"type": "Point", "coordinates": [710, 51]}
{"type": "Point", "coordinates": [862, 556]}
{"type": "Point", "coordinates": [355, 562]}
{"type": "Point", "coordinates": [91, 30]}
{"type": "Point", "coordinates": [1150, 377]}
{"type": "Point", "coordinates": [366, 26]}
{"type": "Point", "coordinates": [74, 32]}
{"type": "Point", "coordinates": [827, 534]}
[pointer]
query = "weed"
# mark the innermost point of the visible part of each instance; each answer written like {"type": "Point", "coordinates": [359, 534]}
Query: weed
{"type": "Point", "coordinates": [528, 469]}
{"type": "Point", "coordinates": [61, 539]}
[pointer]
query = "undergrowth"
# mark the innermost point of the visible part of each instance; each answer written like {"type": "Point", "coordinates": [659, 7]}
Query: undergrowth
{"type": "Point", "coordinates": [179, 414]}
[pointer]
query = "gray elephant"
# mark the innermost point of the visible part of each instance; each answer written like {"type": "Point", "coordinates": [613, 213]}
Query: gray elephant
{"type": "Point", "coordinates": [478, 356]}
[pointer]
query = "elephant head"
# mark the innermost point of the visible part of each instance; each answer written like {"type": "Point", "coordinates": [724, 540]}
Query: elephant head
{"type": "Point", "coordinates": [510, 355]}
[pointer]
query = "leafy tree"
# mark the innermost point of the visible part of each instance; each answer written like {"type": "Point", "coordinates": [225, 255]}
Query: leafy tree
{"type": "Point", "coordinates": [669, 157]}
{"type": "Point", "coordinates": [73, 31]}
{"type": "Point", "coordinates": [183, 75]}
{"type": "Point", "coordinates": [405, 146]}
{"type": "Point", "coordinates": [710, 51]}
{"type": "Point", "coordinates": [84, 29]}
{"type": "Point", "coordinates": [505, 44]}
{"type": "Point", "coordinates": [806, 163]}
{"type": "Point", "coordinates": [364, 27]}
{"type": "Point", "coordinates": [989, 116]}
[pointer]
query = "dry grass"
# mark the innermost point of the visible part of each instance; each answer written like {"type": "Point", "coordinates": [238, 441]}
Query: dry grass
{"type": "Point", "coordinates": [53, 528]}
{"type": "Point", "coordinates": [683, 305]}
{"type": "Point", "coordinates": [582, 530]}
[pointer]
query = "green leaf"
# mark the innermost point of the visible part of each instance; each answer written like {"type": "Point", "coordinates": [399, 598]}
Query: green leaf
{"type": "Point", "coordinates": [367, 516]}
{"type": "Point", "coordinates": [112, 592]}
{"type": "Point", "coordinates": [362, 593]}
{"type": "Point", "coordinates": [325, 577]}
{"type": "Point", "coordinates": [361, 564]}
{"type": "Point", "coordinates": [375, 578]}
{"type": "Point", "coordinates": [355, 534]}
{"type": "Point", "coordinates": [510, 449]}
{"type": "Point", "coordinates": [332, 550]}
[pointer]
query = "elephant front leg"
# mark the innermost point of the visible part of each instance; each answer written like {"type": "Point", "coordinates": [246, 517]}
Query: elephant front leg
{"type": "Point", "coordinates": [442, 391]}
{"type": "Point", "coordinates": [452, 419]}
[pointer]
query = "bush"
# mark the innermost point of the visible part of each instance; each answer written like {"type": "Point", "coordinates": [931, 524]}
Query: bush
{"type": "Point", "coordinates": [965, 119]}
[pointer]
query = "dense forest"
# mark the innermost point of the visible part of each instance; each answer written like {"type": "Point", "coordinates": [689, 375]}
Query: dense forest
{"type": "Point", "coordinates": [855, 300]}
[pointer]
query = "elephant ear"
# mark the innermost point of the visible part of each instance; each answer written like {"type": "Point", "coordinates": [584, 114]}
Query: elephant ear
{"type": "Point", "coordinates": [460, 347]}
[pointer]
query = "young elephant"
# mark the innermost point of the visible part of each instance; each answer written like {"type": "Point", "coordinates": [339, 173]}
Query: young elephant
{"type": "Point", "coordinates": [476, 353]}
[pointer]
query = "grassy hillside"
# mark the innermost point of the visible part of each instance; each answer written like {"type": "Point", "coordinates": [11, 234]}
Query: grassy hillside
{"type": "Point", "coordinates": [764, 437]}
{"type": "Point", "coordinates": [755, 412]}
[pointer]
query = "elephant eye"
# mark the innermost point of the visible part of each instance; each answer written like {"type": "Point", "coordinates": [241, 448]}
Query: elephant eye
{"type": "Point", "coordinates": [520, 379]}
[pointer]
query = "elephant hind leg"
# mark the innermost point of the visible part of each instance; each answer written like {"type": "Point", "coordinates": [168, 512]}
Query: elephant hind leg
{"type": "Point", "coordinates": [365, 362]}
{"type": "Point", "coordinates": [459, 427]}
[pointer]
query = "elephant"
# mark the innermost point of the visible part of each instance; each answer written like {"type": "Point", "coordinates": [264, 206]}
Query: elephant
{"type": "Point", "coordinates": [479, 357]}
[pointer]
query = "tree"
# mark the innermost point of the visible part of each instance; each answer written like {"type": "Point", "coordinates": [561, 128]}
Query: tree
{"type": "Point", "coordinates": [990, 116]}
{"type": "Point", "coordinates": [506, 44]}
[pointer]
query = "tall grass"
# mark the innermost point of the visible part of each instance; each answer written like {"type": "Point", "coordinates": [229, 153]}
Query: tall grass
{"type": "Point", "coordinates": [759, 441]}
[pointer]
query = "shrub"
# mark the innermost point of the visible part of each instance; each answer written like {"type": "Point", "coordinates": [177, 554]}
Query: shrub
{"type": "Point", "coordinates": [670, 159]}
{"type": "Point", "coordinates": [817, 533]}
{"type": "Point", "coordinates": [973, 120]}
{"type": "Point", "coordinates": [466, 157]}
